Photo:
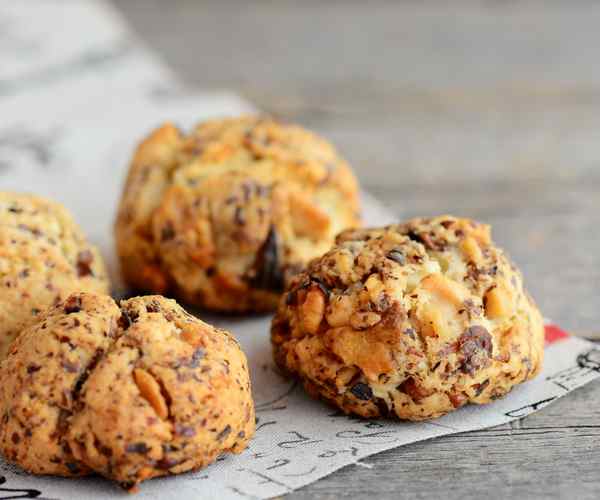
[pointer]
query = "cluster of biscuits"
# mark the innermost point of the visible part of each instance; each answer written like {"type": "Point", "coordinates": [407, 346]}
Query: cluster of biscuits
{"type": "Point", "coordinates": [241, 215]}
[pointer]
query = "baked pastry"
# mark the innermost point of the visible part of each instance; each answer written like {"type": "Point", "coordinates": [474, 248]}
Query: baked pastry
{"type": "Point", "coordinates": [130, 392]}
{"type": "Point", "coordinates": [221, 217]}
{"type": "Point", "coordinates": [411, 320]}
{"type": "Point", "coordinates": [44, 257]}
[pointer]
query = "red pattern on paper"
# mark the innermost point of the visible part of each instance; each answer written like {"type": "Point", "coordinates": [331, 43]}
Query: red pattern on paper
{"type": "Point", "coordinates": [555, 334]}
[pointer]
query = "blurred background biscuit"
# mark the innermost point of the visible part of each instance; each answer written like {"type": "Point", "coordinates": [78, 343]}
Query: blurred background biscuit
{"type": "Point", "coordinates": [222, 217]}
{"type": "Point", "coordinates": [44, 257]}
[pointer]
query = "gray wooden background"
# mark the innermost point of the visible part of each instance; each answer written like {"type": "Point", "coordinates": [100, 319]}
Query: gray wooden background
{"type": "Point", "coordinates": [484, 109]}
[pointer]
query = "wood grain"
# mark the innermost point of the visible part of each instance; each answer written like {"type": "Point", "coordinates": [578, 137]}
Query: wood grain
{"type": "Point", "coordinates": [485, 109]}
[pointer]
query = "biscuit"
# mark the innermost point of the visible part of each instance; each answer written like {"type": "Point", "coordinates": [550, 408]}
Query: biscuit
{"type": "Point", "coordinates": [223, 216]}
{"type": "Point", "coordinates": [411, 320]}
{"type": "Point", "coordinates": [130, 392]}
{"type": "Point", "coordinates": [44, 257]}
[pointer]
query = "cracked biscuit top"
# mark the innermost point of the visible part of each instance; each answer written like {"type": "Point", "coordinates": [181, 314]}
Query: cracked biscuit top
{"type": "Point", "coordinates": [411, 320]}
{"type": "Point", "coordinates": [44, 257]}
{"type": "Point", "coordinates": [223, 216]}
{"type": "Point", "coordinates": [129, 392]}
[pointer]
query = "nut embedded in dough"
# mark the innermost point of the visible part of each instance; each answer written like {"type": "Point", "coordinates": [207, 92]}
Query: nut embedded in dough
{"type": "Point", "coordinates": [411, 320]}
{"type": "Point", "coordinates": [129, 391]}
{"type": "Point", "coordinates": [222, 217]}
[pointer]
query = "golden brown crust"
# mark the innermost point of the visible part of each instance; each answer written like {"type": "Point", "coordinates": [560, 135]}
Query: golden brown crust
{"type": "Point", "coordinates": [223, 216]}
{"type": "Point", "coordinates": [130, 392]}
{"type": "Point", "coordinates": [412, 320]}
{"type": "Point", "coordinates": [44, 257]}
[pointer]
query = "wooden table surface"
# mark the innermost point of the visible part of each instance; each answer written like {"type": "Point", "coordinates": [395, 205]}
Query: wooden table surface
{"type": "Point", "coordinates": [484, 109]}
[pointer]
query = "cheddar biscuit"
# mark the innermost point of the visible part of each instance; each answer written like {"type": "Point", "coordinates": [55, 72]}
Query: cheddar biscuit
{"type": "Point", "coordinates": [222, 217]}
{"type": "Point", "coordinates": [411, 320]}
{"type": "Point", "coordinates": [44, 257]}
{"type": "Point", "coordinates": [129, 391]}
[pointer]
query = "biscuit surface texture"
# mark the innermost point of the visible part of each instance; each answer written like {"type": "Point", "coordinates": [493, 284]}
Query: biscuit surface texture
{"type": "Point", "coordinates": [410, 321]}
{"type": "Point", "coordinates": [130, 392]}
{"type": "Point", "coordinates": [44, 257]}
{"type": "Point", "coordinates": [223, 216]}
